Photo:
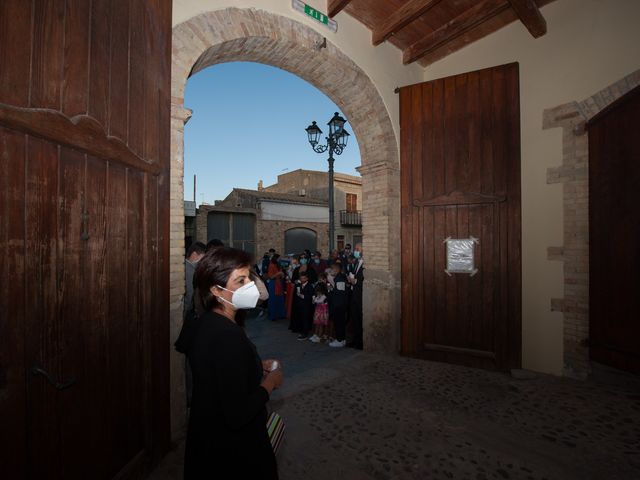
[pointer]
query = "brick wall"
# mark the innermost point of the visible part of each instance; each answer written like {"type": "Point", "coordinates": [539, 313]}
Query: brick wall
{"type": "Point", "coordinates": [573, 174]}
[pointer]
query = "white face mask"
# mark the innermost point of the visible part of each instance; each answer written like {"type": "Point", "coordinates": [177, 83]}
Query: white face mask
{"type": "Point", "coordinates": [243, 298]}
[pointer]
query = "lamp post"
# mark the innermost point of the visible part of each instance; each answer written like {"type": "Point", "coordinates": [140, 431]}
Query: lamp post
{"type": "Point", "coordinates": [336, 143]}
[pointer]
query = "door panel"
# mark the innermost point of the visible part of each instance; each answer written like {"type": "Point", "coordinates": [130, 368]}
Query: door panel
{"type": "Point", "coordinates": [460, 170]}
{"type": "Point", "coordinates": [614, 228]}
{"type": "Point", "coordinates": [84, 215]}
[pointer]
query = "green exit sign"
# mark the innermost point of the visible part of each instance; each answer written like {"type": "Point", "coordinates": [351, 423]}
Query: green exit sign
{"type": "Point", "coordinates": [308, 10]}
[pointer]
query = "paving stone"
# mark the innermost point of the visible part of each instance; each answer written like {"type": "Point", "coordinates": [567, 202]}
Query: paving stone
{"type": "Point", "coordinates": [353, 415]}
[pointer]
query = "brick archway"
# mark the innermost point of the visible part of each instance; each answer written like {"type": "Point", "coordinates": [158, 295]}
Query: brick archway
{"type": "Point", "coordinates": [236, 34]}
{"type": "Point", "coordinates": [574, 175]}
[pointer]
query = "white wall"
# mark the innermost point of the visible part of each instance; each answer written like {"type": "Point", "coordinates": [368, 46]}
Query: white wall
{"type": "Point", "coordinates": [291, 212]}
{"type": "Point", "coordinates": [590, 44]}
{"type": "Point", "coordinates": [382, 64]}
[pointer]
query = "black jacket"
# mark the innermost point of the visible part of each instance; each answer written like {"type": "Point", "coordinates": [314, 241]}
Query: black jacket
{"type": "Point", "coordinates": [339, 295]}
{"type": "Point", "coordinates": [227, 435]}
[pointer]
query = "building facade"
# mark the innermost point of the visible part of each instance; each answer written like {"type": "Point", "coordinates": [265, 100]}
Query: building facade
{"type": "Point", "coordinates": [256, 221]}
{"type": "Point", "coordinates": [347, 198]}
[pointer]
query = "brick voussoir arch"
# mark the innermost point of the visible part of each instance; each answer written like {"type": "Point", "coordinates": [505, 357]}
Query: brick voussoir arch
{"type": "Point", "coordinates": [223, 36]}
{"type": "Point", "coordinates": [247, 34]}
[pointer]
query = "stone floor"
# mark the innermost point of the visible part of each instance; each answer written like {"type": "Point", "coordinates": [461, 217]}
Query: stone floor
{"type": "Point", "coordinates": [357, 416]}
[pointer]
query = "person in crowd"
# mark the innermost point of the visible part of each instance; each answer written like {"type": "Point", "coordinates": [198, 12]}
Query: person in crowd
{"type": "Point", "coordinates": [293, 265]}
{"type": "Point", "coordinates": [214, 243]}
{"type": "Point", "coordinates": [304, 293]}
{"type": "Point", "coordinates": [339, 302]}
{"type": "Point", "coordinates": [333, 257]}
{"type": "Point", "coordinates": [264, 264]}
{"type": "Point", "coordinates": [195, 252]}
{"type": "Point", "coordinates": [318, 263]}
{"type": "Point", "coordinates": [227, 435]}
{"type": "Point", "coordinates": [320, 314]}
{"type": "Point", "coordinates": [344, 255]}
{"type": "Point", "coordinates": [305, 268]}
{"type": "Point", "coordinates": [356, 280]}
{"type": "Point", "coordinates": [275, 284]}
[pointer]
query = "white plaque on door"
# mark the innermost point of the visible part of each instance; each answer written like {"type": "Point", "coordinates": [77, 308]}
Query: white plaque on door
{"type": "Point", "coordinates": [460, 255]}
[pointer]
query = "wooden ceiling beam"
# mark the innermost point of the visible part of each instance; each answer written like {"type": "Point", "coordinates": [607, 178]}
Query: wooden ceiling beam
{"type": "Point", "coordinates": [401, 18]}
{"type": "Point", "coordinates": [530, 15]}
{"type": "Point", "coordinates": [454, 28]}
{"type": "Point", "coordinates": [336, 6]}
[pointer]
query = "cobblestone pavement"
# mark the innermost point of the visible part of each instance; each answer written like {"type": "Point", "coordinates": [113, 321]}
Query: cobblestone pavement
{"type": "Point", "coordinates": [358, 416]}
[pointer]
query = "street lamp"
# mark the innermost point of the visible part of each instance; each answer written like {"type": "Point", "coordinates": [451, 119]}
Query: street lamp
{"type": "Point", "coordinates": [336, 143]}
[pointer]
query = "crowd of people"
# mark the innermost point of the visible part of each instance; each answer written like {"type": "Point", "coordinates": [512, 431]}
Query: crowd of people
{"type": "Point", "coordinates": [322, 298]}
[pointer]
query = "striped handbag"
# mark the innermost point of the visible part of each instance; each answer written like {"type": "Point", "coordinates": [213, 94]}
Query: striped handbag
{"type": "Point", "coordinates": [275, 428]}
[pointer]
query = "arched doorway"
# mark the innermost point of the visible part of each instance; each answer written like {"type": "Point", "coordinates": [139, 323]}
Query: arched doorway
{"type": "Point", "coordinates": [300, 239]}
{"type": "Point", "coordinates": [235, 34]}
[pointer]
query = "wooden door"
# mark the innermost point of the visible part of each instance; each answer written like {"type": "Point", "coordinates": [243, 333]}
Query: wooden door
{"type": "Point", "coordinates": [460, 173]}
{"type": "Point", "coordinates": [84, 215]}
{"type": "Point", "coordinates": [614, 230]}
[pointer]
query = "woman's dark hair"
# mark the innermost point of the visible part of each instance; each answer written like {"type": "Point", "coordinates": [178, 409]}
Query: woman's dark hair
{"type": "Point", "coordinates": [197, 247]}
{"type": "Point", "coordinates": [275, 258]}
{"type": "Point", "coordinates": [215, 268]}
{"type": "Point", "coordinates": [321, 288]}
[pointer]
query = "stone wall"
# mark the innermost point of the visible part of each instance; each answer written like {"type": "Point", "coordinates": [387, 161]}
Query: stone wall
{"type": "Point", "coordinates": [573, 174]}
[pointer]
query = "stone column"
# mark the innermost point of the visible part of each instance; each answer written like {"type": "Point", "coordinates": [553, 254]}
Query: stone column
{"type": "Point", "coordinates": [381, 242]}
{"type": "Point", "coordinates": [179, 117]}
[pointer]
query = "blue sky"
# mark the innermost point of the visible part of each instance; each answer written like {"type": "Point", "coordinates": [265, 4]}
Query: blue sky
{"type": "Point", "coordinates": [248, 125]}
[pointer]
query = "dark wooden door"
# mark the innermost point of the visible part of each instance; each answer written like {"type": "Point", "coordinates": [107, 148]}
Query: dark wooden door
{"type": "Point", "coordinates": [460, 173]}
{"type": "Point", "coordinates": [614, 230]}
{"type": "Point", "coordinates": [84, 215]}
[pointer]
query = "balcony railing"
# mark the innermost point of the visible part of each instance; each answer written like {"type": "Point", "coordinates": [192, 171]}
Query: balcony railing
{"type": "Point", "coordinates": [351, 219]}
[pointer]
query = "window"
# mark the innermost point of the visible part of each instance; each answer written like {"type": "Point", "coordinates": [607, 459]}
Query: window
{"type": "Point", "coordinates": [352, 202]}
{"type": "Point", "coordinates": [340, 242]}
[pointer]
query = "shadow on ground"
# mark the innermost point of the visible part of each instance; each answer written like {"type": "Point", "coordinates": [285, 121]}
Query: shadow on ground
{"type": "Point", "coordinates": [357, 416]}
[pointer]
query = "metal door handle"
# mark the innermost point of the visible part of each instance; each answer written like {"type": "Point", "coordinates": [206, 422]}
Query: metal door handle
{"type": "Point", "coordinates": [60, 386]}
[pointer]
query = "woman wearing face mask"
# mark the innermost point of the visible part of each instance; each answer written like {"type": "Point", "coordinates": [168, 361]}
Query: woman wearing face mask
{"type": "Point", "coordinates": [227, 435]}
{"type": "Point", "coordinates": [305, 268]}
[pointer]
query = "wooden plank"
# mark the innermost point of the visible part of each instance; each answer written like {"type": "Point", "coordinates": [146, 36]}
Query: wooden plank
{"type": "Point", "coordinates": [530, 15]}
{"type": "Point", "coordinates": [402, 17]}
{"type": "Point", "coordinates": [12, 304]}
{"type": "Point", "coordinates": [48, 51]}
{"type": "Point", "coordinates": [42, 329]}
{"type": "Point", "coordinates": [119, 71]}
{"type": "Point", "coordinates": [336, 6]}
{"type": "Point", "coordinates": [488, 27]}
{"type": "Point", "coordinates": [406, 163]}
{"type": "Point", "coordinates": [513, 357]}
{"type": "Point", "coordinates": [15, 56]}
{"type": "Point", "coordinates": [99, 64]}
{"type": "Point", "coordinates": [75, 84]}
{"type": "Point", "coordinates": [479, 13]}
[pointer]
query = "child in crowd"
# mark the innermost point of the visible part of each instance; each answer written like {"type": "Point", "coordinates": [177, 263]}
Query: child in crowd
{"type": "Point", "coordinates": [304, 293]}
{"type": "Point", "coordinates": [321, 314]}
{"type": "Point", "coordinates": [339, 298]}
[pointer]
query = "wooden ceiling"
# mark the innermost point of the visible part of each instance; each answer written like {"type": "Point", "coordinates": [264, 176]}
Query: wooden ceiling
{"type": "Point", "coordinates": [428, 30]}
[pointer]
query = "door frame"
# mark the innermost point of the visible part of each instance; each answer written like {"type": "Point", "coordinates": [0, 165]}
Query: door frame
{"type": "Point", "coordinates": [573, 175]}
